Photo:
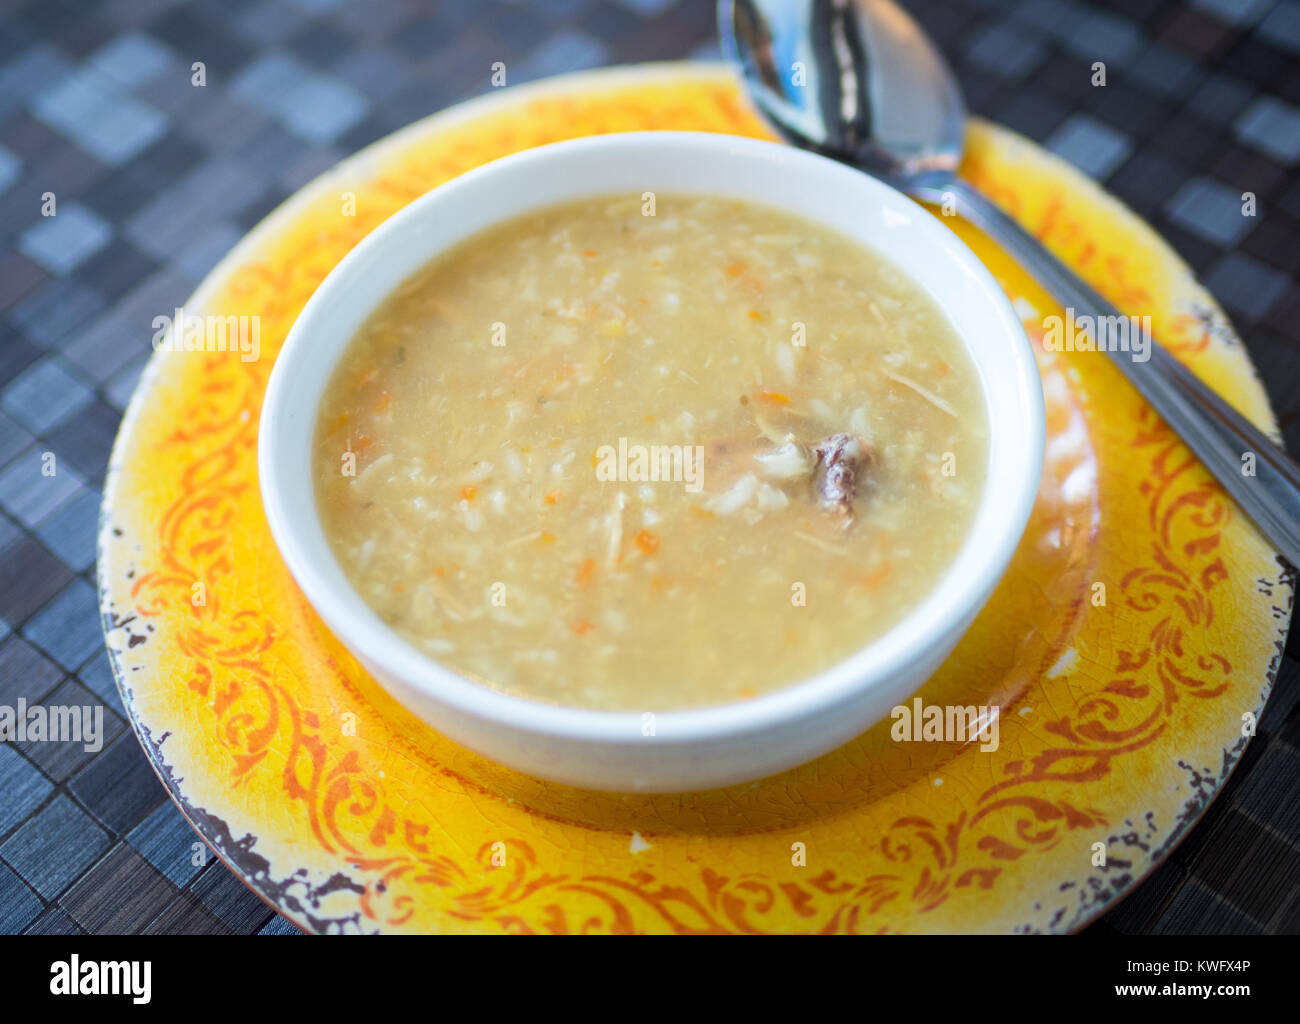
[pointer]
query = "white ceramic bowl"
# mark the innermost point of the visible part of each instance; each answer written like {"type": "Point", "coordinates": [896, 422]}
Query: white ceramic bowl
{"type": "Point", "coordinates": [700, 748]}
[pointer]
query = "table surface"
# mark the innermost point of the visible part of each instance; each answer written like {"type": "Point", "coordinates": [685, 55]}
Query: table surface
{"type": "Point", "coordinates": [154, 183]}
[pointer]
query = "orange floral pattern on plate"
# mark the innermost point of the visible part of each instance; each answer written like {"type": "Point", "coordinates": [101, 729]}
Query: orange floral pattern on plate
{"type": "Point", "coordinates": [1141, 619]}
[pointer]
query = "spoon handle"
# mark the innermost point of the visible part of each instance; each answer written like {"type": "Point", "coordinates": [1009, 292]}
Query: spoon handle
{"type": "Point", "coordinates": [1225, 441]}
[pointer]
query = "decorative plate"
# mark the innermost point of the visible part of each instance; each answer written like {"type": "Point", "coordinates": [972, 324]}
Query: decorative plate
{"type": "Point", "coordinates": [1130, 645]}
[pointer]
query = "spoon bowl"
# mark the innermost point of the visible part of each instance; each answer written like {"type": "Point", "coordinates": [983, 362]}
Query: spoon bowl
{"type": "Point", "coordinates": [855, 80]}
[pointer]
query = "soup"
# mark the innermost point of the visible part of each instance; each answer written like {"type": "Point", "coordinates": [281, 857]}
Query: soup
{"type": "Point", "coordinates": [650, 452]}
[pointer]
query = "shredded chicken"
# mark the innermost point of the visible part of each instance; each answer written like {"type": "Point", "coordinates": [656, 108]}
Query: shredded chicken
{"type": "Point", "coordinates": [832, 469]}
{"type": "Point", "coordinates": [786, 462]}
{"type": "Point", "coordinates": [735, 497]}
{"type": "Point", "coordinates": [924, 392]}
{"type": "Point", "coordinates": [614, 520]}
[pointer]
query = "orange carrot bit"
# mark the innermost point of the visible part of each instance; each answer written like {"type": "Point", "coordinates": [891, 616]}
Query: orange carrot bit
{"type": "Point", "coordinates": [756, 315]}
{"type": "Point", "coordinates": [590, 254]}
{"type": "Point", "coordinates": [702, 512]}
{"type": "Point", "coordinates": [734, 269]}
{"type": "Point", "coordinates": [440, 570]}
{"type": "Point", "coordinates": [368, 376]}
{"type": "Point", "coordinates": [748, 693]}
{"type": "Point", "coordinates": [585, 572]}
{"type": "Point", "coordinates": [384, 401]}
{"type": "Point", "coordinates": [944, 368]}
{"type": "Point", "coordinates": [775, 397]}
{"type": "Point", "coordinates": [647, 542]}
{"type": "Point", "coordinates": [877, 576]}
{"type": "Point", "coordinates": [398, 588]}
{"type": "Point", "coordinates": [341, 421]}
{"type": "Point", "coordinates": [552, 498]}
{"type": "Point", "coordinates": [582, 626]}
{"type": "Point", "coordinates": [468, 492]}
{"type": "Point", "coordinates": [548, 538]}
{"type": "Point", "coordinates": [362, 443]}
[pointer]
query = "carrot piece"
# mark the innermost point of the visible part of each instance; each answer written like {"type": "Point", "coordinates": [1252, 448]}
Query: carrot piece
{"type": "Point", "coordinates": [468, 491]}
{"type": "Point", "coordinates": [553, 497]}
{"type": "Point", "coordinates": [385, 400]}
{"type": "Point", "coordinates": [748, 693]}
{"type": "Point", "coordinates": [590, 254]}
{"type": "Point", "coordinates": [734, 269]}
{"type": "Point", "coordinates": [440, 570]}
{"type": "Point", "coordinates": [582, 626]}
{"type": "Point", "coordinates": [703, 513]}
{"type": "Point", "coordinates": [547, 538]}
{"type": "Point", "coordinates": [775, 397]}
{"type": "Point", "coordinates": [647, 542]}
{"type": "Point", "coordinates": [878, 576]}
{"type": "Point", "coordinates": [756, 315]}
{"type": "Point", "coordinates": [586, 571]}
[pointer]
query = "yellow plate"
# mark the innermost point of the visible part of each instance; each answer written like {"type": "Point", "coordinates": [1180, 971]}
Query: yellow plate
{"type": "Point", "coordinates": [1130, 645]}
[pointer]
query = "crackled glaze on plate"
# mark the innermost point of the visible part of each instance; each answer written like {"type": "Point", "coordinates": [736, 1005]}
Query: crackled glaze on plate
{"type": "Point", "coordinates": [1121, 719]}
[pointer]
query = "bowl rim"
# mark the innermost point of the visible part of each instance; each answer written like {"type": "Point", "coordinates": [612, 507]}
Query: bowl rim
{"type": "Point", "coordinates": [361, 630]}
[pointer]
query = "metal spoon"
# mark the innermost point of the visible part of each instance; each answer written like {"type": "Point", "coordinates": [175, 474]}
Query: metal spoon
{"type": "Point", "coordinates": [858, 81]}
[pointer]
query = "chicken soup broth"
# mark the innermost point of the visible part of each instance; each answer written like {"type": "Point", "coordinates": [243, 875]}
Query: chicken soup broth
{"type": "Point", "coordinates": [648, 454]}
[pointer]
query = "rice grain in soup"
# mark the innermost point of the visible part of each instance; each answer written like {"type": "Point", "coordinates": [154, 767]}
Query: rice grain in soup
{"type": "Point", "coordinates": [648, 461]}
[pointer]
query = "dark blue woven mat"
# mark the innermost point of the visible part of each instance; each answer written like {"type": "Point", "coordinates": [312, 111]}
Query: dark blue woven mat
{"type": "Point", "coordinates": [155, 183]}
